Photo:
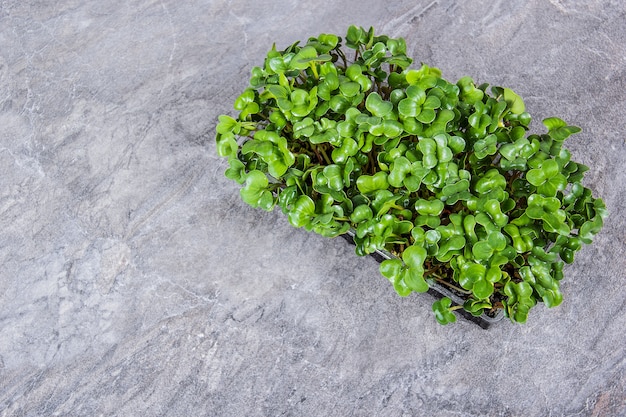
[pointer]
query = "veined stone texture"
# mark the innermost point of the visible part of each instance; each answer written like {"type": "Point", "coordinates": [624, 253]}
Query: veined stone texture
{"type": "Point", "coordinates": [135, 282]}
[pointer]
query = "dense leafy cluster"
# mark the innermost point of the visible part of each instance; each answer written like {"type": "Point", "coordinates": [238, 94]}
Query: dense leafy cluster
{"type": "Point", "coordinates": [442, 175]}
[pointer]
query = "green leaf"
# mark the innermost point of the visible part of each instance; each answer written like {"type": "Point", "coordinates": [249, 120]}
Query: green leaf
{"type": "Point", "coordinates": [303, 57]}
{"type": "Point", "coordinates": [553, 123]}
{"type": "Point", "coordinates": [392, 128]}
{"type": "Point", "coordinates": [236, 171]}
{"type": "Point", "coordinates": [429, 151]}
{"type": "Point", "coordinates": [395, 271]}
{"type": "Point", "coordinates": [548, 210]}
{"type": "Point", "coordinates": [277, 65]}
{"type": "Point", "coordinates": [519, 302]}
{"type": "Point", "coordinates": [486, 146]}
{"type": "Point", "coordinates": [334, 176]}
{"type": "Point", "coordinates": [426, 115]}
{"type": "Point", "coordinates": [347, 171]}
{"type": "Point", "coordinates": [355, 37]}
{"type": "Point", "coordinates": [476, 307]}
{"type": "Point", "coordinates": [558, 129]}
{"type": "Point", "coordinates": [538, 276]}
{"type": "Point", "coordinates": [449, 246]}
{"type": "Point", "coordinates": [494, 274]}
{"type": "Point", "coordinates": [339, 104]}
{"type": "Point", "coordinates": [416, 94]}
{"type": "Point", "coordinates": [324, 43]}
{"type": "Point", "coordinates": [408, 108]}
{"type": "Point", "coordinates": [414, 76]}
{"type": "Point", "coordinates": [414, 256]}
{"type": "Point", "coordinates": [482, 289]}
{"type": "Point", "coordinates": [349, 88]}
{"type": "Point", "coordinates": [369, 183]}
{"type": "Point", "coordinates": [514, 102]}
{"type": "Point", "coordinates": [431, 102]}
{"type": "Point", "coordinates": [492, 180]}
{"type": "Point", "coordinates": [429, 207]}
{"type": "Point", "coordinates": [468, 91]}
{"type": "Point", "coordinates": [399, 170]}
{"type": "Point", "coordinates": [272, 148]}
{"type": "Point", "coordinates": [354, 71]}
{"type": "Point", "coordinates": [304, 128]}
{"type": "Point", "coordinates": [590, 228]}
{"type": "Point", "coordinates": [455, 188]}
{"type": "Point", "coordinates": [286, 198]}
{"type": "Point", "coordinates": [471, 272]}
{"type": "Point", "coordinates": [245, 99]}
{"type": "Point", "coordinates": [227, 145]}
{"type": "Point", "coordinates": [377, 106]}
{"type": "Point", "coordinates": [441, 308]}
{"type": "Point", "coordinates": [255, 192]}
{"type": "Point", "coordinates": [361, 213]}
{"type": "Point", "coordinates": [227, 125]}
{"type": "Point", "coordinates": [258, 77]}
{"type": "Point", "coordinates": [492, 208]}
{"type": "Point", "coordinates": [536, 177]}
{"type": "Point", "coordinates": [411, 106]}
{"type": "Point", "coordinates": [414, 279]}
{"type": "Point", "coordinates": [391, 268]}
{"type": "Point", "coordinates": [456, 144]}
{"type": "Point", "coordinates": [348, 148]}
{"type": "Point", "coordinates": [303, 211]}
{"type": "Point", "coordinates": [303, 102]}
{"type": "Point", "coordinates": [278, 92]}
{"type": "Point", "coordinates": [328, 39]}
{"type": "Point", "coordinates": [482, 250]}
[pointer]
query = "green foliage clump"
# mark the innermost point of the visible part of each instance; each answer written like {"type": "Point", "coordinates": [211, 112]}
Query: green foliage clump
{"type": "Point", "coordinates": [444, 176]}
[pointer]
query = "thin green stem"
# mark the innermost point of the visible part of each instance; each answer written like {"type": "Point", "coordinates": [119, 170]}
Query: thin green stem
{"type": "Point", "coordinates": [343, 58]}
{"type": "Point", "coordinates": [326, 158]}
{"type": "Point", "coordinates": [371, 163]}
{"type": "Point", "coordinates": [341, 219]}
{"type": "Point", "coordinates": [313, 66]}
{"type": "Point", "coordinates": [454, 287]}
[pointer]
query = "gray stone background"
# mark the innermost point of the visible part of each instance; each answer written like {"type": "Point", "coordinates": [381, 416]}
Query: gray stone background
{"type": "Point", "coordinates": [134, 282]}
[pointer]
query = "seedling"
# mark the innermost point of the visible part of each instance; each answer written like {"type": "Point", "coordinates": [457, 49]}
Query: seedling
{"type": "Point", "coordinates": [445, 176]}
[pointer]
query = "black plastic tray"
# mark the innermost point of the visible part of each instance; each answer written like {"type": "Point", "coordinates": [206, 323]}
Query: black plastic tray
{"type": "Point", "coordinates": [439, 291]}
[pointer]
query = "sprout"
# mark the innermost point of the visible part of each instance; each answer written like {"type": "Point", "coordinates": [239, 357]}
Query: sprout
{"type": "Point", "coordinates": [443, 176]}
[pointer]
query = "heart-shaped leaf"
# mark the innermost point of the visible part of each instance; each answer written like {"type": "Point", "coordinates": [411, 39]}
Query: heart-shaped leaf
{"type": "Point", "coordinates": [377, 106]}
{"type": "Point", "coordinates": [441, 308]}
{"type": "Point", "coordinates": [486, 146]}
{"type": "Point", "coordinates": [303, 211]}
{"type": "Point", "coordinates": [519, 300]}
{"type": "Point", "coordinates": [558, 129]}
{"type": "Point", "coordinates": [514, 102]}
{"type": "Point", "coordinates": [361, 213]}
{"type": "Point", "coordinates": [414, 279]}
{"type": "Point", "coordinates": [236, 171]}
{"type": "Point", "coordinates": [367, 184]}
{"type": "Point", "coordinates": [255, 191]}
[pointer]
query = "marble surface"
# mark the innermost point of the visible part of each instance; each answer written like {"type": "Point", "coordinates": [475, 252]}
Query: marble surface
{"type": "Point", "coordinates": [134, 282]}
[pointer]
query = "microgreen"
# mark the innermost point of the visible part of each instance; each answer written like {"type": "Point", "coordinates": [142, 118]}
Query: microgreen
{"type": "Point", "coordinates": [343, 136]}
